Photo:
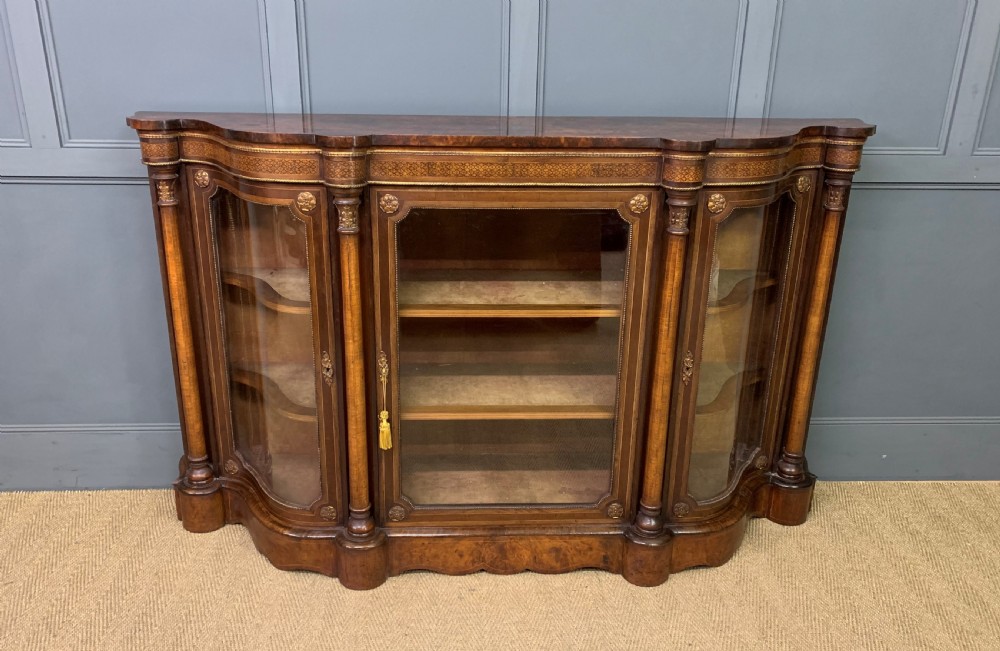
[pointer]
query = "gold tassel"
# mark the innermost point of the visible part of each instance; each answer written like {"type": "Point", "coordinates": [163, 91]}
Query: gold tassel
{"type": "Point", "coordinates": [384, 431]}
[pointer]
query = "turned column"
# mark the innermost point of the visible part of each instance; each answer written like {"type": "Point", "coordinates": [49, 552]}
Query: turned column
{"type": "Point", "coordinates": [199, 470]}
{"type": "Point", "coordinates": [791, 468]}
{"type": "Point", "coordinates": [649, 519]}
{"type": "Point", "coordinates": [199, 501]}
{"type": "Point", "coordinates": [359, 522]}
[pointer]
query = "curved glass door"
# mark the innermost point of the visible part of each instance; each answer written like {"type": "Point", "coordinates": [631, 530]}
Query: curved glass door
{"type": "Point", "coordinates": [741, 306]}
{"type": "Point", "coordinates": [267, 317]}
{"type": "Point", "coordinates": [509, 345]}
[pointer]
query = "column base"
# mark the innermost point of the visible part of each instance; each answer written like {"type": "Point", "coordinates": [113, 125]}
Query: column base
{"type": "Point", "coordinates": [646, 561]}
{"type": "Point", "coordinates": [200, 508]}
{"type": "Point", "coordinates": [789, 502]}
{"type": "Point", "coordinates": [362, 564]}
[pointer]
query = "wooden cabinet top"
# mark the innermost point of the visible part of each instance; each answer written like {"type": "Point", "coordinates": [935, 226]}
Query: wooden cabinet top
{"type": "Point", "coordinates": [350, 131]}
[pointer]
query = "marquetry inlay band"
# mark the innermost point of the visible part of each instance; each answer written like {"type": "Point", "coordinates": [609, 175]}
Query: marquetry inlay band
{"type": "Point", "coordinates": [159, 149]}
{"type": "Point", "coordinates": [401, 166]}
{"type": "Point", "coordinates": [616, 169]}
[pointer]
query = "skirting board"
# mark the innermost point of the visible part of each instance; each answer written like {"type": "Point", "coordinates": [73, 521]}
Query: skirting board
{"type": "Point", "coordinates": [957, 448]}
{"type": "Point", "coordinates": [144, 455]}
{"type": "Point", "coordinates": [54, 457]}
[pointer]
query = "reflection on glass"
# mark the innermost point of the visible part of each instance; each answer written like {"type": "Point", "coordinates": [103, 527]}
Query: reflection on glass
{"type": "Point", "coordinates": [509, 328]}
{"type": "Point", "coordinates": [267, 318]}
{"type": "Point", "coordinates": [741, 315]}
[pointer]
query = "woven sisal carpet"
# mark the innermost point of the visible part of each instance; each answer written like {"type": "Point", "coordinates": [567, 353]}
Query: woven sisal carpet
{"type": "Point", "coordinates": [878, 566]}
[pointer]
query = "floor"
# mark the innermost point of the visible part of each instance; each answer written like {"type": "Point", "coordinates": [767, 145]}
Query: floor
{"type": "Point", "coordinates": [879, 565]}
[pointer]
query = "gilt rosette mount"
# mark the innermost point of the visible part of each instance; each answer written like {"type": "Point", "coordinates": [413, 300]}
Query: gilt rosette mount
{"type": "Point", "coordinates": [432, 343]}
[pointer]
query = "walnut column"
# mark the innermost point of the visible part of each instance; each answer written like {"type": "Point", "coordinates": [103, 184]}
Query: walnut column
{"type": "Point", "coordinates": [792, 483]}
{"type": "Point", "coordinates": [361, 561]}
{"type": "Point", "coordinates": [791, 467]}
{"type": "Point", "coordinates": [198, 498]}
{"type": "Point", "coordinates": [646, 562]}
{"type": "Point", "coordinates": [360, 522]}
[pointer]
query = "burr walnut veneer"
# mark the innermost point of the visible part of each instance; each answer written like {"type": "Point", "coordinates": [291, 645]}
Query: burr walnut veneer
{"type": "Point", "coordinates": [460, 344]}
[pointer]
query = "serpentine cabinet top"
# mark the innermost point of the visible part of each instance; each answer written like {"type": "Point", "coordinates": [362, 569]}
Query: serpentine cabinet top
{"type": "Point", "coordinates": [693, 151]}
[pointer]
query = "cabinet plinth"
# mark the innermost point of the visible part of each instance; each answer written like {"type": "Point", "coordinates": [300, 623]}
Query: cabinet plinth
{"type": "Point", "coordinates": [407, 343]}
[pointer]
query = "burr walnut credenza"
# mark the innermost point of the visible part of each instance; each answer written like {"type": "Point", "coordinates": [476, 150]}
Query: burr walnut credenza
{"type": "Point", "coordinates": [469, 343]}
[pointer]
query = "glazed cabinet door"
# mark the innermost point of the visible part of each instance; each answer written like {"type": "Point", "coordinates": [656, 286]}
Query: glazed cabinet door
{"type": "Point", "coordinates": [741, 297]}
{"type": "Point", "coordinates": [264, 260]}
{"type": "Point", "coordinates": [508, 335]}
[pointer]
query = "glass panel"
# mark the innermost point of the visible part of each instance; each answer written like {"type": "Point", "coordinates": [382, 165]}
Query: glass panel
{"type": "Point", "coordinates": [267, 322]}
{"type": "Point", "coordinates": [509, 337]}
{"type": "Point", "coordinates": [741, 316]}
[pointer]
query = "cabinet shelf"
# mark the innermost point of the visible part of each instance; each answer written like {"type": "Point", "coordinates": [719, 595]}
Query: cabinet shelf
{"type": "Point", "coordinates": [736, 288]}
{"type": "Point", "coordinates": [507, 397]}
{"type": "Point", "coordinates": [508, 294]}
{"type": "Point", "coordinates": [504, 412]}
{"type": "Point", "coordinates": [281, 290]}
{"type": "Point", "coordinates": [483, 487]}
{"type": "Point", "coordinates": [289, 387]}
{"type": "Point", "coordinates": [512, 343]}
{"type": "Point", "coordinates": [725, 386]}
{"type": "Point", "coordinates": [587, 452]}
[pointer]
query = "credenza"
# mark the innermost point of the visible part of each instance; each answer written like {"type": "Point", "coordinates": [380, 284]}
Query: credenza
{"type": "Point", "coordinates": [504, 344]}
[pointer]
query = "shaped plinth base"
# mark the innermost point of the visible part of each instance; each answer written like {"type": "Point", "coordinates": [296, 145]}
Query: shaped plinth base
{"type": "Point", "coordinates": [789, 502]}
{"type": "Point", "coordinates": [199, 508]}
{"type": "Point", "coordinates": [362, 564]}
{"type": "Point", "coordinates": [646, 561]}
{"type": "Point", "coordinates": [365, 562]}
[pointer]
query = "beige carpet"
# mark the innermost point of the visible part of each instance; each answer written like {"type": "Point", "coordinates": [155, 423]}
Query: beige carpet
{"type": "Point", "coordinates": [878, 566]}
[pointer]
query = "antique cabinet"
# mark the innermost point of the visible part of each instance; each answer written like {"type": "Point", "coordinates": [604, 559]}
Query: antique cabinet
{"type": "Point", "coordinates": [460, 344]}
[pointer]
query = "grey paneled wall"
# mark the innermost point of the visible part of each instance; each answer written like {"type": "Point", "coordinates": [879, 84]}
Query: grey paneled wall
{"type": "Point", "coordinates": [101, 62]}
{"type": "Point", "coordinates": [908, 383]}
{"type": "Point", "coordinates": [600, 57]}
{"type": "Point", "coordinates": [87, 340]}
{"type": "Point", "coordinates": [445, 60]}
{"type": "Point", "coordinates": [11, 125]}
{"type": "Point", "coordinates": [989, 133]}
{"type": "Point", "coordinates": [912, 113]}
{"type": "Point", "coordinates": [912, 331]}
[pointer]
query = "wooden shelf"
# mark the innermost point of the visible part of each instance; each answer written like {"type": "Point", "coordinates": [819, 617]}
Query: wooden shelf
{"type": "Point", "coordinates": [719, 386]}
{"type": "Point", "coordinates": [594, 452]}
{"type": "Point", "coordinates": [507, 397]}
{"type": "Point", "coordinates": [282, 290]}
{"type": "Point", "coordinates": [290, 388]}
{"type": "Point", "coordinates": [508, 294]}
{"type": "Point", "coordinates": [443, 487]}
{"type": "Point", "coordinates": [494, 412]}
{"type": "Point", "coordinates": [736, 288]}
{"type": "Point", "coordinates": [517, 342]}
